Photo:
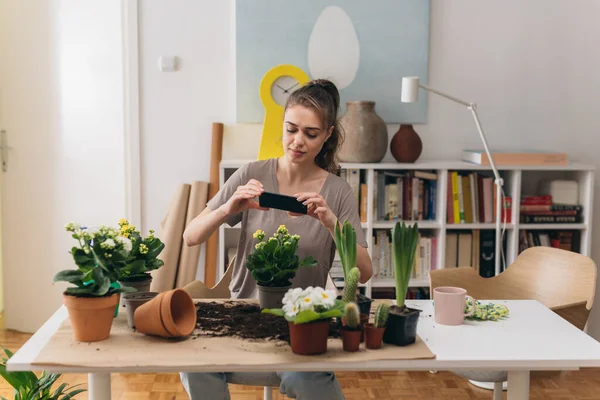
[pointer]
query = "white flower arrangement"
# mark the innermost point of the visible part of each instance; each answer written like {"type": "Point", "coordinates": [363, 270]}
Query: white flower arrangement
{"type": "Point", "coordinates": [310, 304]}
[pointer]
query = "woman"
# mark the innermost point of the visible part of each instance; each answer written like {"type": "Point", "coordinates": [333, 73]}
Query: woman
{"type": "Point", "coordinates": [311, 138]}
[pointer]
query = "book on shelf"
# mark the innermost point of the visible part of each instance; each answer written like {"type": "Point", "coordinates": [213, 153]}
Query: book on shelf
{"type": "Point", "coordinates": [471, 198]}
{"type": "Point", "coordinates": [542, 210]}
{"type": "Point", "coordinates": [474, 249]}
{"type": "Point", "coordinates": [566, 240]}
{"type": "Point", "coordinates": [529, 157]}
{"type": "Point", "coordinates": [425, 256]}
{"type": "Point", "coordinates": [409, 195]}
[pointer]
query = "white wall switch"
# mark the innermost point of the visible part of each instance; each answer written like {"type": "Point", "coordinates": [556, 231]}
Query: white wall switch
{"type": "Point", "coordinates": [167, 63]}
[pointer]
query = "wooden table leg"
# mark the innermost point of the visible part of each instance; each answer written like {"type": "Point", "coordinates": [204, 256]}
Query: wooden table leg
{"type": "Point", "coordinates": [518, 385]}
{"type": "Point", "coordinates": [99, 386]}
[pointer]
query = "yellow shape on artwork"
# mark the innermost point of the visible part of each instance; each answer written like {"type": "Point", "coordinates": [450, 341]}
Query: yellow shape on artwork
{"type": "Point", "coordinates": [276, 86]}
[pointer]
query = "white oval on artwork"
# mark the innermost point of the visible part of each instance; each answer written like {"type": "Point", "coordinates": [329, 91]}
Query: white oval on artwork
{"type": "Point", "coordinates": [333, 48]}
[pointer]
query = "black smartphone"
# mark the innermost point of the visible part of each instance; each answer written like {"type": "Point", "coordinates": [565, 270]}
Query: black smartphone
{"type": "Point", "coordinates": [282, 202]}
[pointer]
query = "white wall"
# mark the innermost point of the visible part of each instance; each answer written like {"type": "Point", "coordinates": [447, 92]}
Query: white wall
{"type": "Point", "coordinates": [62, 103]}
{"type": "Point", "coordinates": [531, 66]}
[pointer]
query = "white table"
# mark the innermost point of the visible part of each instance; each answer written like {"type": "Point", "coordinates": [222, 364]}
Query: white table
{"type": "Point", "coordinates": [532, 338]}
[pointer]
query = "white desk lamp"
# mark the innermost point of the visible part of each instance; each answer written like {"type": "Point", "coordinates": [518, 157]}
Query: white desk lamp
{"type": "Point", "coordinates": [410, 94]}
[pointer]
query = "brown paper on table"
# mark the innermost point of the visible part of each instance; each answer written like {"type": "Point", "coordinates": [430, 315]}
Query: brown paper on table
{"type": "Point", "coordinates": [126, 348]}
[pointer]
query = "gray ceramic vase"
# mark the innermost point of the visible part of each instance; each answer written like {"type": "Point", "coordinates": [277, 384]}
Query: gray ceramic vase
{"type": "Point", "coordinates": [366, 135]}
{"type": "Point", "coordinates": [271, 297]}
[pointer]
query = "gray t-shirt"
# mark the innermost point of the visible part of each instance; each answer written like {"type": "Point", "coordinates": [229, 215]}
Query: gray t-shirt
{"type": "Point", "coordinates": [315, 239]}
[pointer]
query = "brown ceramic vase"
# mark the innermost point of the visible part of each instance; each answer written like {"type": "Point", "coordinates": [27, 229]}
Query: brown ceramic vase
{"type": "Point", "coordinates": [365, 133]}
{"type": "Point", "coordinates": [406, 145]}
{"type": "Point", "coordinates": [91, 317]}
{"type": "Point", "coordinates": [310, 338]}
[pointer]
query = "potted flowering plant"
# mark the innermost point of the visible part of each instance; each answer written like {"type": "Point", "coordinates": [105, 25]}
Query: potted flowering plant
{"type": "Point", "coordinates": [142, 259]}
{"type": "Point", "coordinates": [92, 299]}
{"type": "Point", "coordinates": [274, 263]}
{"type": "Point", "coordinates": [309, 312]}
{"type": "Point", "coordinates": [401, 328]}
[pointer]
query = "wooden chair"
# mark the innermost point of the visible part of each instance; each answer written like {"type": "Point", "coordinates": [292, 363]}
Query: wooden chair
{"type": "Point", "coordinates": [562, 280]}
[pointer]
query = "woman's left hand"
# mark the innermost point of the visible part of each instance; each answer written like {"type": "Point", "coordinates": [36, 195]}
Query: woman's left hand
{"type": "Point", "coordinates": [317, 208]}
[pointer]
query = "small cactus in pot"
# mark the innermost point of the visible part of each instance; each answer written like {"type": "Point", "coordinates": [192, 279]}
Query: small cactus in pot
{"type": "Point", "coordinates": [352, 328]}
{"type": "Point", "coordinates": [374, 332]}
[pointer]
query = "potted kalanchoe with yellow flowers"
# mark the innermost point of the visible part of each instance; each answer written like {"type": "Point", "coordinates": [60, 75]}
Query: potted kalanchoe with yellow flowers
{"type": "Point", "coordinates": [309, 312]}
{"type": "Point", "coordinates": [143, 258]}
{"type": "Point", "coordinates": [274, 263]}
{"type": "Point", "coordinates": [100, 257]}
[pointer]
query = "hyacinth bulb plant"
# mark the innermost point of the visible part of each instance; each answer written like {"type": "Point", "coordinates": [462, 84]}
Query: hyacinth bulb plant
{"type": "Point", "coordinates": [402, 321]}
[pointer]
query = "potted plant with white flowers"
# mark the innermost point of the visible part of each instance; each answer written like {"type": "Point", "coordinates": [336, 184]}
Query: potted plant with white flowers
{"type": "Point", "coordinates": [309, 312]}
{"type": "Point", "coordinates": [93, 298]}
{"type": "Point", "coordinates": [274, 263]}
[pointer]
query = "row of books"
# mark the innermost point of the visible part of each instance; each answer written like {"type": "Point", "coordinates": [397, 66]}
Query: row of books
{"type": "Point", "coordinates": [566, 240]}
{"type": "Point", "coordinates": [407, 195]}
{"type": "Point", "coordinates": [473, 248]}
{"type": "Point", "coordinates": [425, 256]}
{"type": "Point", "coordinates": [542, 210]}
{"type": "Point", "coordinates": [471, 198]}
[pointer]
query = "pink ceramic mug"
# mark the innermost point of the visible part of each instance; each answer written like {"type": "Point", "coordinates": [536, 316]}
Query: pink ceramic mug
{"type": "Point", "coordinates": [449, 305]}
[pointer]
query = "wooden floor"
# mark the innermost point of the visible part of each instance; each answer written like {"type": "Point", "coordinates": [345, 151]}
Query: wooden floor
{"type": "Point", "coordinates": [573, 385]}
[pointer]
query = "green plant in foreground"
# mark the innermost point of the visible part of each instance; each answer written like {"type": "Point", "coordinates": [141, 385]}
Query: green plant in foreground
{"type": "Point", "coordinates": [351, 315]}
{"type": "Point", "coordinates": [29, 387]}
{"type": "Point", "coordinates": [274, 261]}
{"type": "Point", "coordinates": [351, 285]}
{"type": "Point", "coordinates": [345, 241]}
{"type": "Point", "coordinates": [404, 246]}
{"type": "Point", "coordinates": [381, 315]}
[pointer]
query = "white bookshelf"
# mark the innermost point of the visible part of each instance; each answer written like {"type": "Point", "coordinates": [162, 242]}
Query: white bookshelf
{"type": "Point", "coordinates": [518, 180]}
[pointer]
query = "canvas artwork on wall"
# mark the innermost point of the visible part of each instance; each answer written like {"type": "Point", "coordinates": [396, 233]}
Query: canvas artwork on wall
{"type": "Point", "coordinates": [364, 47]}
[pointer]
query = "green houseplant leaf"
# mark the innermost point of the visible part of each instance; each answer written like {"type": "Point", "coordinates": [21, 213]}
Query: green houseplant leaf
{"type": "Point", "coordinates": [404, 246]}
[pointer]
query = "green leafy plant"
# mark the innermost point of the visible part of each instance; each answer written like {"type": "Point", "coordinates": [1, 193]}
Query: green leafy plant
{"type": "Point", "coordinates": [274, 261]}
{"type": "Point", "coordinates": [301, 306]}
{"type": "Point", "coordinates": [381, 315]}
{"type": "Point", "coordinates": [108, 255]}
{"type": "Point", "coordinates": [143, 257]}
{"type": "Point", "coordinates": [352, 315]}
{"type": "Point", "coordinates": [404, 246]}
{"type": "Point", "coordinates": [27, 385]}
{"type": "Point", "coordinates": [345, 242]}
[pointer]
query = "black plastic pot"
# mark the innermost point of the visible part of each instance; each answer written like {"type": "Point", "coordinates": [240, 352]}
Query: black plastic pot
{"type": "Point", "coordinates": [401, 328]}
{"type": "Point", "coordinates": [364, 304]}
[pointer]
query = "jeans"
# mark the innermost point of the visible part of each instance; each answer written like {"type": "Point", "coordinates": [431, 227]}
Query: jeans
{"type": "Point", "coordinates": [295, 385]}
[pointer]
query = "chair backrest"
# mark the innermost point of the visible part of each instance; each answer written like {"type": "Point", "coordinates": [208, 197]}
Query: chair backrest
{"type": "Point", "coordinates": [198, 290]}
{"type": "Point", "coordinates": [562, 280]}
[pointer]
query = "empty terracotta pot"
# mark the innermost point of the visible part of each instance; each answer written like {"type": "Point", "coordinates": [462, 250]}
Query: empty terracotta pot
{"type": "Point", "coordinates": [351, 339]}
{"type": "Point", "coordinates": [91, 317]}
{"type": "Point", "coordinates": [134, 300]}
{"type": "Point", "coordinates": [169, 314]}
{"type": "Point", "coordinates": [373, 336]}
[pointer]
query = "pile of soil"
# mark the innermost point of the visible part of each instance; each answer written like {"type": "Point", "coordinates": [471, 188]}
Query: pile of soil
{"type": "Point", "coordinates": [243, 320]}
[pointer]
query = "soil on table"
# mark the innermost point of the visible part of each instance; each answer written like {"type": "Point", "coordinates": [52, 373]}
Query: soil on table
{"type": "Point", "coordinates": [243, 320]}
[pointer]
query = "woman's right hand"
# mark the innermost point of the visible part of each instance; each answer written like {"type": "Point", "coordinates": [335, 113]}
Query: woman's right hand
{"type": "Point", "coordinates": [242, 199]}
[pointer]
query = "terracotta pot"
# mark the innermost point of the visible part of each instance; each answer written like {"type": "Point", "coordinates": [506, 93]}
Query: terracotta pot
{"type": "Point", "coordinates": [169, 314]}
{"type": "Point", "coordinates": [271, 297]}
{"type": "Point", "coordinates": [365, 133]}
{"type": "Point", "coordinates": [133, 300]}
{"type": "Point", "coordinates": [374, 336]}
{"type": "Point", "coordinates": [140, 286]}
{"type": "Point", "coordinates": [310, 338]}
{"type": "Point", "coordinates": [91, 317]}
{"type": "Point", "coordinates": [406, 145]}
{"type": "Point", "coordinates": [351, 339]}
